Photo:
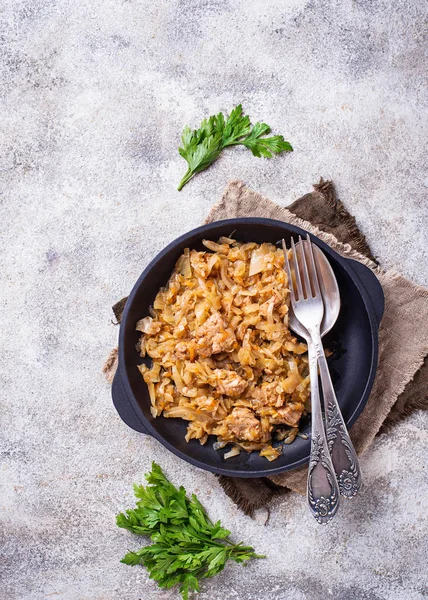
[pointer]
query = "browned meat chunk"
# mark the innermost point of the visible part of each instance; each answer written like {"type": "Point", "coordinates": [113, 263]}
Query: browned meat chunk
{"type": "Point", "coordinates": [243, 424]}
{"type": "Point", "coordinates": [182, 351]}
{"type": "Point", "coordinates": [268, 394]}
{"type": "Point", "coordinates": [290, 414]}
{"type": "Point", "coordinates": [185, 350]}
{"type": "Point", "coordinates": [212, 337]}
{"type": "Point", "coordinates": [228, 382]}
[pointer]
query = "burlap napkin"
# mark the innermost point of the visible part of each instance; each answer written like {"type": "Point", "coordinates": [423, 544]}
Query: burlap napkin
{"type": "Point", "coordinates": [401, 382]}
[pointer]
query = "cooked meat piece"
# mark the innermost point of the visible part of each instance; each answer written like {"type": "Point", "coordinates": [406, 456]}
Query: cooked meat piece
{"type": "Point", "coordinates": [185, 350]}
{"type": "Point", "coordinates": [228, 382]}
{"type": "Point", "coordinates": [212, 337]}
{"type": "Point", "coordinates": [244, 425]}
{"type": "Point", "coordinates": [182, 351]}
{"type": "Point", "coordinates": [290, 414]}
{"type": "Point", "coordinates": [268, 394]}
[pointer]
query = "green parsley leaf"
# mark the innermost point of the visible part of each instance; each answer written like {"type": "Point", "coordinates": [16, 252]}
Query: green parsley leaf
{"type": "Point", "coordinates": [201, 147]}
{"type": "Point", "coordinates": [186, 545]}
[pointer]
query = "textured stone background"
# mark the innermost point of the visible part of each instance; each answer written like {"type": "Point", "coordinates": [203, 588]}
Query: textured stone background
{"type": "Point", "coordinates": [93, 98]}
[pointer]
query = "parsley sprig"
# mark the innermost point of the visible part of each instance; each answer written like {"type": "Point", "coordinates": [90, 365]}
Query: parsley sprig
{"type": "Point", "coordinates": [201, 147]}
{"type": "Point", "coordinates": [186, 544]}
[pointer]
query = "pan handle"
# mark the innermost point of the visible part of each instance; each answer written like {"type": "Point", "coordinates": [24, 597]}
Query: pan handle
{"type": "Point", "coordinates": [372, 285]}
{"type": "Point", "coordinates": [123, 406]}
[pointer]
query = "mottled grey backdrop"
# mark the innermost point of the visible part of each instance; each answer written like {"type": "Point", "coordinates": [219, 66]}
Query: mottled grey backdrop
{"type": "Point", "coordinates": [93, 97]}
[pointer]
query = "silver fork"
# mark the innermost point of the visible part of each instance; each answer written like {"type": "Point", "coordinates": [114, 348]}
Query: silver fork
{"type": "Point", "coordinates": [343, 455]}
{"type": "Point", "coordinates": [323, 489]}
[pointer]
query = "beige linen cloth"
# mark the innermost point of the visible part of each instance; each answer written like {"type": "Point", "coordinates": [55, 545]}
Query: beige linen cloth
{"type": "Point", "coordinates": [401, 381]}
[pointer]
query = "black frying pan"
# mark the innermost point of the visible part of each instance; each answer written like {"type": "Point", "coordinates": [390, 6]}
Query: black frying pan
{"type": "Point", "coordinates": [354, 341]}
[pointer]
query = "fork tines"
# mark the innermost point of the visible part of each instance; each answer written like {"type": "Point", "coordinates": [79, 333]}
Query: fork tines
{"type": "Point", "coordinates": [310, 285]}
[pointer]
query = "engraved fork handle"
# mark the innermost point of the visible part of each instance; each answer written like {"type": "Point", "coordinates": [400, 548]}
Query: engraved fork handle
{"type": "Point", "coordinates": [323, 491]}
{"type": "Point", "coordinates": [340, 447]}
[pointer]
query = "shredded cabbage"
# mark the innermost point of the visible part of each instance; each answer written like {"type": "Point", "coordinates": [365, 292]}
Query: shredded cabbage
{"type": "Point", "coordinates": [223, 358]}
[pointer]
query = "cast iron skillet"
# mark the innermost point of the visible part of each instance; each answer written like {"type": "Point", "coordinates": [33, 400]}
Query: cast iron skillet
{"type": "Point", "coordinates": [354, 341]}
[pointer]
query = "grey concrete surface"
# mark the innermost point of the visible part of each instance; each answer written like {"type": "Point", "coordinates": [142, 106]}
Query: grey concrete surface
{"type": "Point", "coordinates": [93, 98]}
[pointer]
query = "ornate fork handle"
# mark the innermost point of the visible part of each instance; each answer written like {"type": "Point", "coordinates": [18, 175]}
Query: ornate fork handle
{"type": "Point", "coordinates": [342, 451]}
{"type": "Point", "coordinates": [323, 491]}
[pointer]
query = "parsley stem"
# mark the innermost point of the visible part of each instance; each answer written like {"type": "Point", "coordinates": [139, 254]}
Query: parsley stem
{"type": "Point", "coordinates": [185, 179]}
{"type": "Point", "coordinates": [235, 143]}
